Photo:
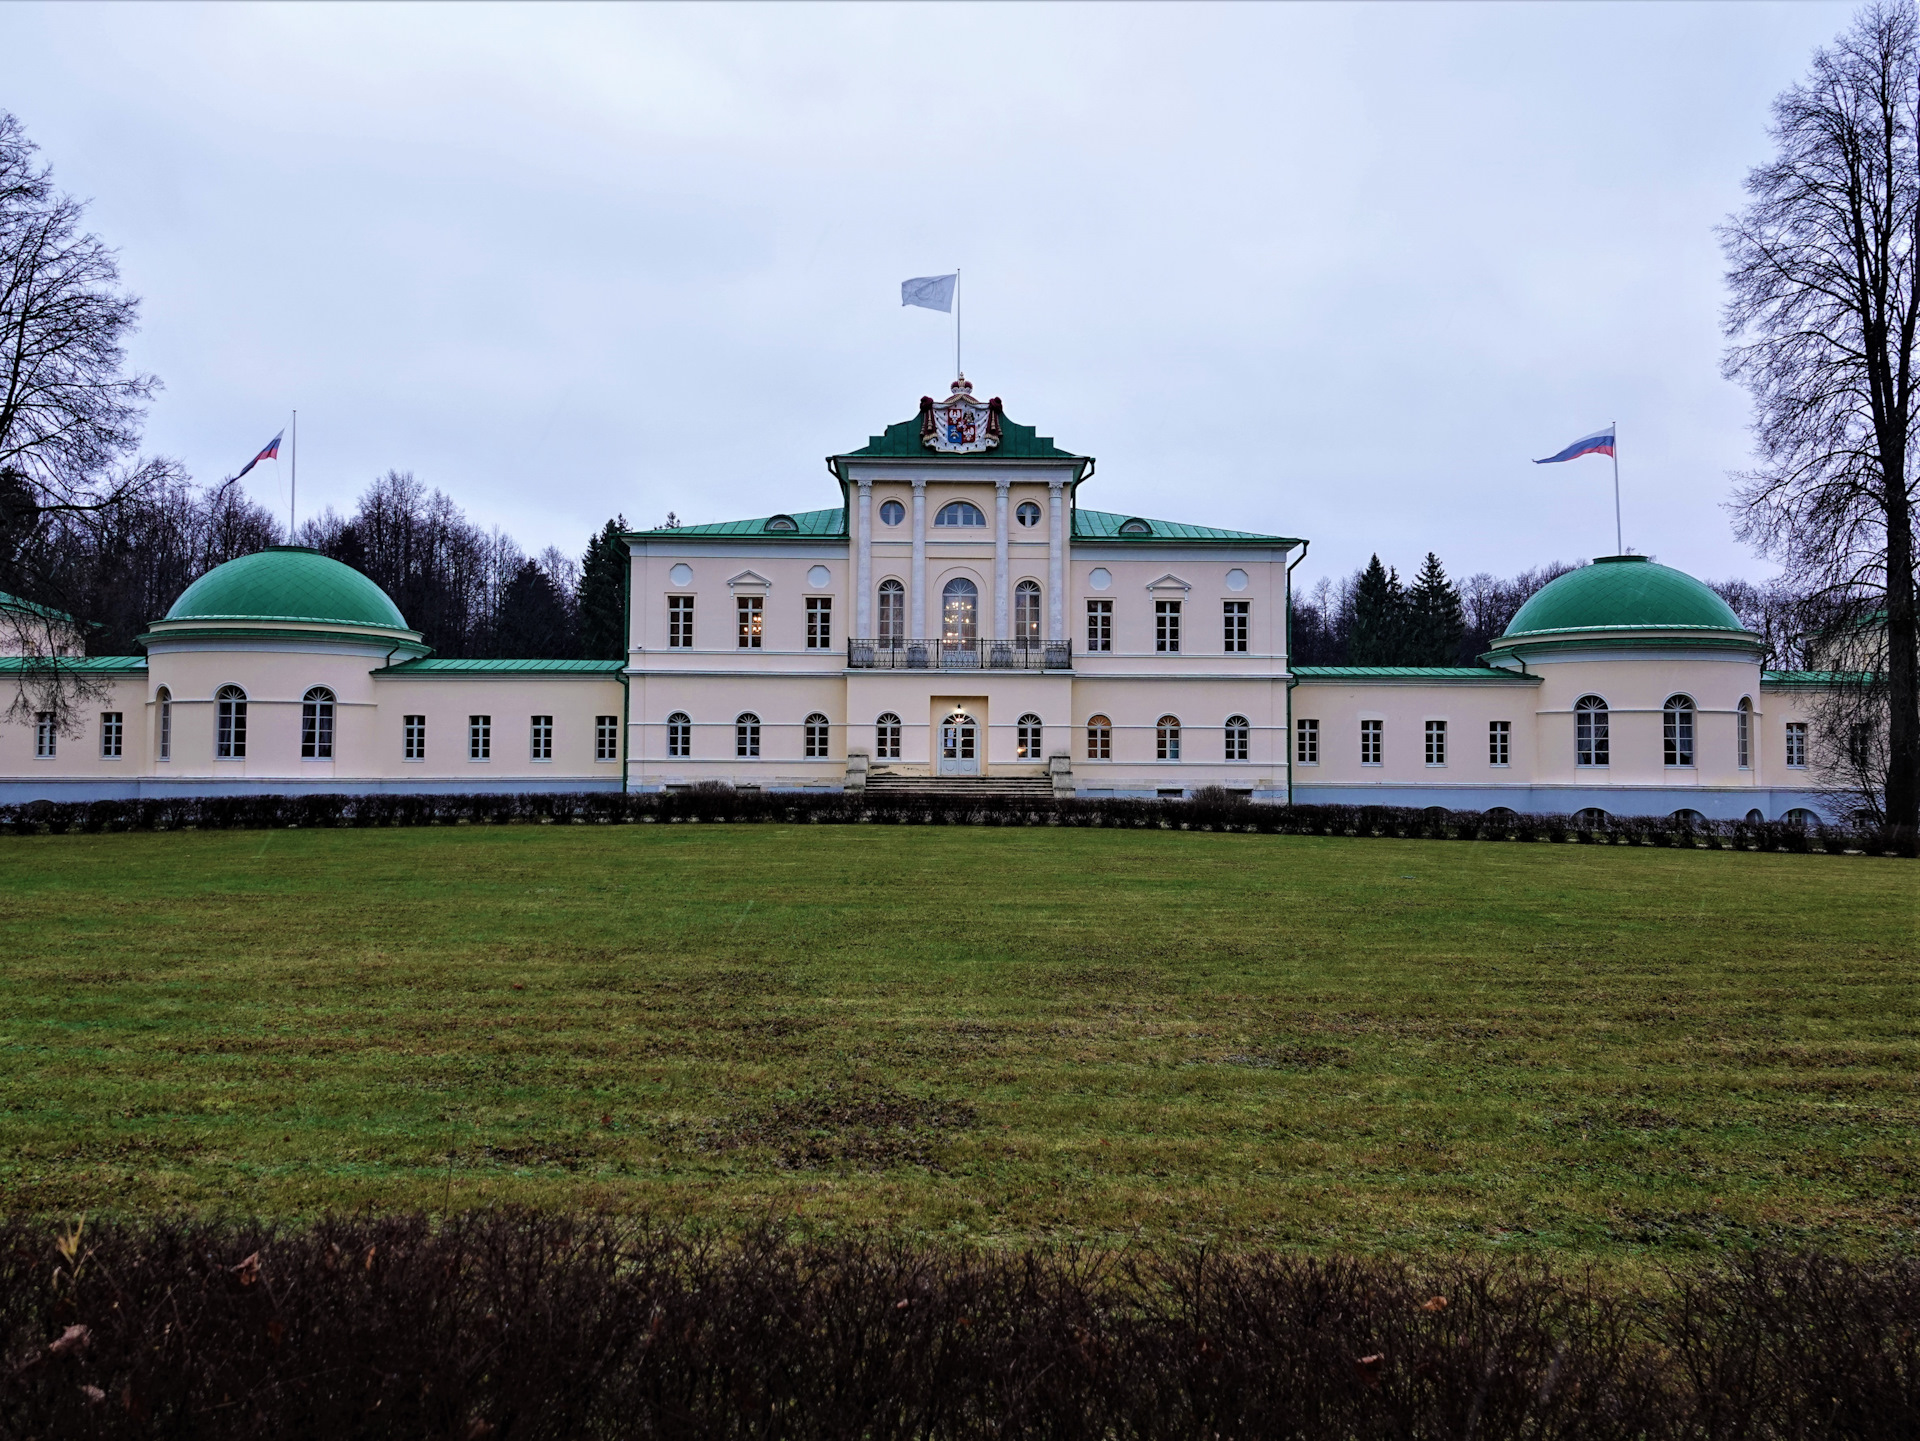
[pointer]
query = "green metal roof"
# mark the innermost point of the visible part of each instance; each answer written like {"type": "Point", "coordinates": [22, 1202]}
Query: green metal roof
{"type": "Point", "coordinates": [45, 612]}
{"type": "Point", "coordinates": [1017, 442]}
{"type": "Point", "coordinates": [1622, 592]}
{"type": "Point", "coordinates": [89, 664]}
{"type": "Point", "coordinates": [1410, 672]}
{"type": "Point", "coordinates": [288, 583]}
{"type": "Point", "coordinates": [1814, 679]}
{"type": "Point", "coordinates": [431, 668]}
{"type": "Point", "coordinates": [806, 523]}
{"type": "Point", "coordinates": [1105, 525]}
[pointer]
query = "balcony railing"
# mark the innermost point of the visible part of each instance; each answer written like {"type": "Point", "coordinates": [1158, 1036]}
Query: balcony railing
{"type": "Point", "coordinates": [1022, 654]}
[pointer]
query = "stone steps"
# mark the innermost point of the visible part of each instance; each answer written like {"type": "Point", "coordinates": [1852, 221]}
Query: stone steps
{"type": "Point", "coordinates": [965, 787]}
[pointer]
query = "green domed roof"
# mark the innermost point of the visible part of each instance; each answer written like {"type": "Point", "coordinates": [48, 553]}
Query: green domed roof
{"type": "Point", "coordinates": [1623, 592]}
{"type": "Point", "coordinates": [288, 583]}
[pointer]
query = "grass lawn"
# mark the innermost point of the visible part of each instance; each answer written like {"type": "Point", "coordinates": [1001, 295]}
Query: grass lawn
{"type": "Point", "coordinates": [983, 1035]}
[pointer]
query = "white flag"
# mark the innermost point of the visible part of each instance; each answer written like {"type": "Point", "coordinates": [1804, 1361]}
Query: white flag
{"type": "Point", "coordinates": [931, 292]}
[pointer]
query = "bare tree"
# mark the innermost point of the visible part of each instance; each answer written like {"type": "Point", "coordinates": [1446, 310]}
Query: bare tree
{"type": "Point", "coordinates": [1824, 319]}
{"type": "Point", "coordinates": [70, 414]}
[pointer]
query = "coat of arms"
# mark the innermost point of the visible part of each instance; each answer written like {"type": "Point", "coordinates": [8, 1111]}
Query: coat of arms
{"type": "Point", "coordinates": [959, 425]}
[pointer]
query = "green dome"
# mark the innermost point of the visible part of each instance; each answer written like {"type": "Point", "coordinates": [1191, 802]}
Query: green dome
{"type": "Point", "coordinates": [1623, 592]}
{"type": "Point", "coordinates": [288, 583]}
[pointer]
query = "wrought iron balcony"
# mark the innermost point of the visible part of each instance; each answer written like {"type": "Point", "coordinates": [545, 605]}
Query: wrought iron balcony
{"type": "Point", "coordinates": [1022, 654]}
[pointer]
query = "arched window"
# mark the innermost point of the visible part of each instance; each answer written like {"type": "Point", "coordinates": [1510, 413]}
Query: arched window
{"type": "Point", "coordinates": [1239, 738]}
{"type": "Point", "coordinates": [1590, 731]}
{"type": "Point", "coordinates": [316, 725]}
{"type": "Point", "coordinates": [960, 512]}
{"type": "Point", "coordinates": [1167, 737]}
{"type": "Point", "coordinates": [819, 731]}
{"type": "Point", "coordinates": [781, 522]}
{"type": "Point", "coordinates": [1027, 736]}
{"type": "Point", "coordinates": [886, 737]}
{"type": "Point", "coordinates": [1679, 730]}
{"type": "Point", "coordinates": [746, 735]}
{"type": "Point", "coordinates": [1743, 734]}
{"type": "Point", "coordinates": [892, 512]}
{"type": "Point", "coordinates": [1591, 816]}
{"type": "Point", "coordinates": [893, 612]}
{"type": "Point", "coordinates": [959, 603]}
{"type": "Point", "coordinates": [1028, 514]}
{"type": "Point", "coordinates": [163, 747]}
{"type": "Point", "coordinates": [1099, 738]}
{"type": "Point", "coordinates": [679, 736]}
{"type": "Point", "coordinates": [1690, 817]}
{"type": "Point", "coordinates": [1026, 612]}
{"type": "Point", "coordinates": [1800, 816]}
{"type": "Point", "coordinates": [230, 724]}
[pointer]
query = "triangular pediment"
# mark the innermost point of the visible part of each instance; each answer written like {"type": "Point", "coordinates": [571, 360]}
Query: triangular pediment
{"type": "Point", "coordinates": [1169, 581]}
{"type": "Point", "coordinates": [749, 580]}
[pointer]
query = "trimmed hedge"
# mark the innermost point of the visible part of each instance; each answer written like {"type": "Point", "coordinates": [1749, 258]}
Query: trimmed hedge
{"type": "Point", "coordinates": [1205, 812]}
{"type": "Point", "coordinates": [506, 1326]}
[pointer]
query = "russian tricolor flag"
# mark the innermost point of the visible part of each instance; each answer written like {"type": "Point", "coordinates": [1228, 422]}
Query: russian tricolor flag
{"type": "Point", "coordinates": [1599, 443]}
{"type": "Point", "coordinates": [271, 451]}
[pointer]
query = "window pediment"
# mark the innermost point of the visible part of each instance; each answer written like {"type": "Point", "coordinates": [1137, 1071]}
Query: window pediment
{"type": "Point", "coordinates": [749, 580]}
{"type": "Point", "coordinates": [1169, 582]}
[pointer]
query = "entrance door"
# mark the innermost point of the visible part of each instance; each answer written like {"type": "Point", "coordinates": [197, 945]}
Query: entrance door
{"type": "Point", "coordinates": [959, 746]}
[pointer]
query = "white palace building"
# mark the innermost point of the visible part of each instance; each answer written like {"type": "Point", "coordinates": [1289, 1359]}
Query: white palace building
{"type": "Point", "coordinates": [958, 619]}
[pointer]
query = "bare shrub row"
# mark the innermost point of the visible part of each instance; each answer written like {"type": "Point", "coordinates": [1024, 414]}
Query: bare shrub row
{"type": "Point", "coordinates": [519, 1326]}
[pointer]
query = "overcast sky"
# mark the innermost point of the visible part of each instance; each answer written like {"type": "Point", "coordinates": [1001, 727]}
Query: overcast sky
{"type": "Point", "coordinates": [1335, 272]}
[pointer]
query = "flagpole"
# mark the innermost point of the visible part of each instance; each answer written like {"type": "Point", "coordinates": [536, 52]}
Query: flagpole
{"type": "Point", "coordinates": [1619, 545]}
{"type": "Point", "coordinates": [958, 369]}
{"type": "Point", "coordinates": [293, 488]}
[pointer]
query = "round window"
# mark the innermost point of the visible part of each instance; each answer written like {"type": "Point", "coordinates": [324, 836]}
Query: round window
{"type": "Point", "coordinates": [1099, 577]}
{"type": "Point", "coordinates": [1028, 514]}
{"type": "Point", "coordinates": [892, 512]}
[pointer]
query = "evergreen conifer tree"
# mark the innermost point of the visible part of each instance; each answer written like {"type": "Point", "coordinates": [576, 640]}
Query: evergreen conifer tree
{"type": "Point", "coordinates": [603, 591]}
{"type": "Point", "coordinates": [1379, 617]}
{"type": "Point", "coordinates": [1436, 622]}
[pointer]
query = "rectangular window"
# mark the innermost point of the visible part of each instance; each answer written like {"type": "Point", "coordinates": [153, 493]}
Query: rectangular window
{"type": "Point", "coordinates": [819, 622]}
{"type": "Point", "coordinates": [606, 737]}
{"type": "Point", "coordinates": [1743, 735]}
{"type": "Point", "coordinates": [1099, 739]}
{"type": "Point", "coordinates": [1436, 743]}
{"type": "Point", "coordinates": [542, 737]}
{"type": "Point", "coordinates": [1236, 625]}
{"type": "Point", "coordinates": [1306, 748]}
{"type": "Point", "coordinates": [679, 736]}
{"type": "Point", "coordinates": [680, 622]}
{"type": "Point", "coordinates": [1499, 743]}
{"type": "Point", "coordinates": [1100, 625]}
{"type": "Point", "coordinates": [749, 607]}
{"type": "Point", "coordinates": [166, 729]}
{"type": "Point", "coordinates": [1166, 625]}
{"type": "Point", "coordinates": [479, 737]}
{"type": "Point", "coordinates": [43, 735]}
{"type": "Point", "coordinates": [111, 731]}
{"type": "Point", "coordinates": [1797, 744]}
{"type": "Point", "coordinates": [413, 744]}
{"type": "Point", "coordinates": [1371, 736]}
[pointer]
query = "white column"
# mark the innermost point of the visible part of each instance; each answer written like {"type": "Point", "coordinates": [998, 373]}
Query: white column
{"type": "Point", "coordinates": [919, 560]}
{"type": "Point", "coordinates": [1000, 617]}
{"type": "Point", "coordinates": [1057, 563]}
{"type": "Point", "coordinates": [863, 566]}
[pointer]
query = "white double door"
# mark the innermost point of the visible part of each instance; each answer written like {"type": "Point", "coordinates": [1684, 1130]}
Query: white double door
{"type": "Point", "coordinates": [959, 745]}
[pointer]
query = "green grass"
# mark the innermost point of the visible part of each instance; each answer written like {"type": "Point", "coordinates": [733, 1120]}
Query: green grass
{"type": "Point", "coordinates": [984, 1035]}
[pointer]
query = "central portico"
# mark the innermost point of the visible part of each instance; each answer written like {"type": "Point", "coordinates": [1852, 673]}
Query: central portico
{"type": "Point", "coordinates": [959, 616]}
